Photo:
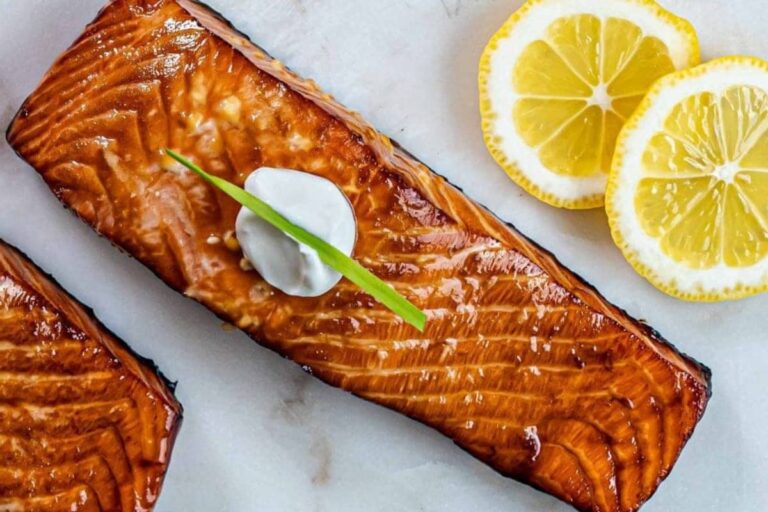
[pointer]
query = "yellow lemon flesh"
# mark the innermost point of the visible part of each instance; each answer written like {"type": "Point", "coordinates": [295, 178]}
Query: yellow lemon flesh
{"type": "Point", "coordinates": [688, 192]}
{"type": "Point", "coordinates": [559, 80]}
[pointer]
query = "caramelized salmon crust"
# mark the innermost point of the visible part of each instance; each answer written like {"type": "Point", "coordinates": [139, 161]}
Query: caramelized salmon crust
{"type": "Point", "coordinates": [85, 424]}
{"type": "Point", "coordinates": [522, 364]}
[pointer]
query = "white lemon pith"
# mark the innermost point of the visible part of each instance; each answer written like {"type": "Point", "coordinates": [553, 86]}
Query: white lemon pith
{"type": "Point", "coordinates": [558, 81]}
{"type": "Point", "coordinates": [687, 197]}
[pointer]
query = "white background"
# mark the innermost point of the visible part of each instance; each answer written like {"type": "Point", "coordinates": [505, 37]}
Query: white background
{"type": "Point", "coordinates": [260, 435]}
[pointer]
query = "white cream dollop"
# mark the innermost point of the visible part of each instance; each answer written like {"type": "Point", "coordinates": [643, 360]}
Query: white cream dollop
{"type": "Point", "coordinates": [311, 202]}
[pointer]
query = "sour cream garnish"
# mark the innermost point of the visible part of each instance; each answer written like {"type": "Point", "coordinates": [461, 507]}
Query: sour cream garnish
{"type": "Point", "coordinates": [311, 202]}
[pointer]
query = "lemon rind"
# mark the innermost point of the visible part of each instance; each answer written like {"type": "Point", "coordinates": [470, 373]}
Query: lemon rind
{"type": "Point", "coordinates": [487, 114]}
{"type": "Point", "coordinates": [669, 286]}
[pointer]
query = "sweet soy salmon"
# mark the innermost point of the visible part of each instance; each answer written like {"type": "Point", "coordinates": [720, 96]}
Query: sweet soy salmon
{"type": "Point", "coordinates": [522, 363]}
{"type": "Point", "coordinates": [85, 424]}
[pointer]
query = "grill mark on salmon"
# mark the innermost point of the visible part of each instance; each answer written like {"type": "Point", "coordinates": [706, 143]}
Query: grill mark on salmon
{"type": "Point", "coordinates": [522, 363]}
{"type": "Point", "coordinates": [84, 423]}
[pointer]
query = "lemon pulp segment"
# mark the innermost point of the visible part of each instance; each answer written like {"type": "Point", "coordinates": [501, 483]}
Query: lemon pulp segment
{"type": "Point", "coordinates": [577, 86]}
{"type": "Point", "coordinates": [704, 195]}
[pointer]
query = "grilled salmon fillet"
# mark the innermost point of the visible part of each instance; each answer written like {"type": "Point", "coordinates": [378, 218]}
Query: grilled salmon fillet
{"type": "Point", "coordinates": [522, 364]}
{"type": "Point", "coordinates": [85, 424]}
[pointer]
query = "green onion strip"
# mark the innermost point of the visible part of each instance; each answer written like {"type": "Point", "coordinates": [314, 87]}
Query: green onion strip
{"type": "Point", "coordinates": [328, 254]}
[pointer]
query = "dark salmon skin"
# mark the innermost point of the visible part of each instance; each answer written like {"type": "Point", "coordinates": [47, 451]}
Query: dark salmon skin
{"type": "Point", "coordinates": [85, 424]}
{"type": "Point", "coordinates": [522, 363]}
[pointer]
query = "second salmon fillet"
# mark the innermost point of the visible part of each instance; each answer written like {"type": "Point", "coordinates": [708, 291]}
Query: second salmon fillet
{"type": "Point", "coordinates": [85, 424]}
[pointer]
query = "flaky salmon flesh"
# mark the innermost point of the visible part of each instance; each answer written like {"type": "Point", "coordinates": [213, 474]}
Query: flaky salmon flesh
{"type": "Point", "coordinates": [85, 425]}
{"type": "Point", "coordinates": [521, 363]}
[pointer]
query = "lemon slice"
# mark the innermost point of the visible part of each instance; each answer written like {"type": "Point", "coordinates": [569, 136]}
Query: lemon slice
{"type": "Point", "coordinates": [558, 81]}
{"type": "Point", "coordinates": [687, 197]}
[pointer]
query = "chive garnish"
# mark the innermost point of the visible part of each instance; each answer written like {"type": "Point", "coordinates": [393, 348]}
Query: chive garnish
{"type": "Point", "coordinates": [328, 254]}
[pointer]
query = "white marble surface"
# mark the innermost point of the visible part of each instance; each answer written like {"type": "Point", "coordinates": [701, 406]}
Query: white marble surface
{"type": "Point", "coordinates": [260, 435]}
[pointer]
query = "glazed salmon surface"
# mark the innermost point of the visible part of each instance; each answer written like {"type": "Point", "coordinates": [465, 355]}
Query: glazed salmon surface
{"type": "Point", "coordinates": [84, 424]}
{"type": "Point", "coordinates": [521, 363]}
